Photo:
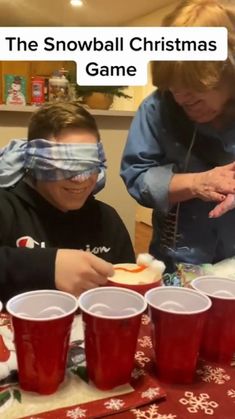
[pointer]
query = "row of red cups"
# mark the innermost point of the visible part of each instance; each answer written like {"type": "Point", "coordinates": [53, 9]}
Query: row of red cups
{"type": "Point", "coordinates": [185, 323]}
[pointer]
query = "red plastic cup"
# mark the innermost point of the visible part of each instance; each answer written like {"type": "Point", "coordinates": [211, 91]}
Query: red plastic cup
{"type": "Point", "coordinates": [178, 316]}
{"type": "Point", "coordinates": [42, 323]}
{"type": "Point", "coordinates": [218, 343]}
{"type": "Point", "coordinates": [111, 318]}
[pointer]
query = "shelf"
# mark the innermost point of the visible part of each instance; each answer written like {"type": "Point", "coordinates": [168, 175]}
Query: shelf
{"type": "Point", "coordinates": [17, 108]}
{"type": "Point", "coordinates": [98, 112]}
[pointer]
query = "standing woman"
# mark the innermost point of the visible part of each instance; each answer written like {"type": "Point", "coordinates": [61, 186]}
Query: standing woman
{"type": "Point", "coordinates": [180, 153]}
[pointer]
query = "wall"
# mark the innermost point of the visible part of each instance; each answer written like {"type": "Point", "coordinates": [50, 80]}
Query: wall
{"type": "Point", "coordinates": [125, 104]}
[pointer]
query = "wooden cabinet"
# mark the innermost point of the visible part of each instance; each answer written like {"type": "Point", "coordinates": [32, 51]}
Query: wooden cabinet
{"type": "Point", "coordinates": [29, 69]}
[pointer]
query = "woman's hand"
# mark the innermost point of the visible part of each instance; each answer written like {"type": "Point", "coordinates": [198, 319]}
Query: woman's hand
{"type": "Point", "coordinates": [215, 184]}
{"type": "Point", "coordinates": [225, 206]}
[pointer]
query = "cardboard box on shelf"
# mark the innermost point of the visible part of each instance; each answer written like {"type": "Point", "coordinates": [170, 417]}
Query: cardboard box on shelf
{"type": "Point", "coordinates": [15, 89]}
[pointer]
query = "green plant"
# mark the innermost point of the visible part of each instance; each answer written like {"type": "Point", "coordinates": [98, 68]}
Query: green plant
{"type": "Point", "coordinates": [83, 91]}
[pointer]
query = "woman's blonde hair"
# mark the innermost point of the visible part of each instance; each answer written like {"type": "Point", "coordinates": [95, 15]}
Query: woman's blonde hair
{"type": "Point", "coordinates": [198, 75]}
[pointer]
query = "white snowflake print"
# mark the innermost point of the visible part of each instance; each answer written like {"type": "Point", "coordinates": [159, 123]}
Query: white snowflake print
{"type": "Point", "coordinates": [145, 319]}
{"type": "Point", "coordinates": [209, 374]}
{"type": "Point", "coordinates": [76, 413]}
{"type": "Point", "coordinates": [151, 413]}
{"type": "Point", "coordinates": [145, 342]}
{"type": "Point", "coordinates": [114, 404]}
{"type": "Point", "coordinates": [150, 393]}
{"type": "Point", "coordinates": [3, 321]}
{"type": "Point", "coordinates": [231, 393]}
{"type": "Point", "coordinates": [137, 372]}
{"type": "Point", "coordinates": [201, 402]}
{"type": "Point", "coordinates": [141, 358]}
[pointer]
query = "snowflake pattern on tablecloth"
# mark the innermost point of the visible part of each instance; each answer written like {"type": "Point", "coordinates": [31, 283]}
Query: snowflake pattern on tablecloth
{"type": "Point", "coordinates": [4, 321]}
{"type": "Point", "coordinates": [145, 342]}
{"type": "Point", "coordinates": [145, 319]}
{"type": "Point", "coordinates": [76, 413]}
{"type": "Point", "coordinates": [114, 404]}
{"type": "Point", "coordinates": [231, 393]}
{"type": "Point", "coordinates": [141, 358]}
{"type": "Point", "coordinates": [151, 413]}
{"type": "Point", "coordinates": [137, 372]}
{"type": "Point", "coordinates": [216, 375]}
{"type": "Point", "coordinates": [151, 393]}
{"type": "Point", "coordinates": [197, 403]}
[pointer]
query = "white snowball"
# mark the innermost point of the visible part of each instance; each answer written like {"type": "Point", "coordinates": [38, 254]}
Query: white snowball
{"type": "Point", "coordinates": [144, 259]}
{"type": "Point", "coordinates": [158, 266]}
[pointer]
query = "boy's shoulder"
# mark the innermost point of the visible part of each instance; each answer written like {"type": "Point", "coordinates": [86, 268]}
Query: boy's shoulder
{"type": "Point", "coordinates": [7, 202]}
{"type": "Point", "coordinates": [107, 212]}
{"type": "Point", "coordinates": [105, 208]}
{"type": "Point", "coordinates": [14, 196]}
{"type": "Point", "coordinates": [6, 195]}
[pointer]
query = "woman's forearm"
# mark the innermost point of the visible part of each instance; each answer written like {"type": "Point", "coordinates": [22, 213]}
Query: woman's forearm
{"type": "Point", "coordinates": [181, 188]}
{"type": "Point", "coordinates": [212, 185]}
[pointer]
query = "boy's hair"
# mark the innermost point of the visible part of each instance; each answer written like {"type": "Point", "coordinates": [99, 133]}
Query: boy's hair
{"type": "Point", "coordinates": [199, 75]}
{"type": "Point", "coordinates": [51, 118]}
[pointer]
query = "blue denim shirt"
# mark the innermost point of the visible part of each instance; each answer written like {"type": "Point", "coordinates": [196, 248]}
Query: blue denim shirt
{"type": "Point", "coordinates": [153, 153]}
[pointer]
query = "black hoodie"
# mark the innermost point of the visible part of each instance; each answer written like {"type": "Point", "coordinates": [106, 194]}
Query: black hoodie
{"type": "Point", "coordinates": [31, 231]}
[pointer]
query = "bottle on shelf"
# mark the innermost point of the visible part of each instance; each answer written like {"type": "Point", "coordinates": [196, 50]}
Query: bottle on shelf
{"type": "Point", "coordinates": [37, 90]}
{"type": "Point", "coordinates": [58, 86]}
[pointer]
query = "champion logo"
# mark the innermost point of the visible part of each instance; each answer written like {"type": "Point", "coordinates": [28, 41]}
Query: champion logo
{"type": "Point", "coordinates": [27, 241]}
{"type": "Point", "coordinates": [30, 243]}
{"type": "Point", "coordinates": [97, 249]}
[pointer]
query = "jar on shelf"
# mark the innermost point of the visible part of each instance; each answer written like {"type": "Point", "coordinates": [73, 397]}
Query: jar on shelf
{"type": "Point", "coordinates": [72, 91]}
{"type": "Point", "coordinates": [37, 90]}
{"type": "Point", "coordinates": [58, 87]}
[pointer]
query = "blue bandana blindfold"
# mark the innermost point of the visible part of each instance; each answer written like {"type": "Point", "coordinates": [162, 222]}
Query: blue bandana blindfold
{"type": "Point", "coordinates": [51, 161]}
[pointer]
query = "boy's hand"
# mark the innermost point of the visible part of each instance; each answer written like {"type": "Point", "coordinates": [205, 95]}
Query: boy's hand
{"type": "Point", "coordinates": [77, 271]}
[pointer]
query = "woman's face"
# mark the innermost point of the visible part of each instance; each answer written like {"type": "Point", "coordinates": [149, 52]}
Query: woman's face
{"type": "Point", "coordinates": [202, 107]}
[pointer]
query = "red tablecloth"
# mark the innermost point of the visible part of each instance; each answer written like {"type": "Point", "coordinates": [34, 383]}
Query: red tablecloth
{"type": "Point", "coordinates": [211, 394]}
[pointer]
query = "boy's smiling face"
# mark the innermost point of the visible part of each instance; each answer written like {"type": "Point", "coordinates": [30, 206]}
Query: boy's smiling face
{"type": "Point", "coordinates": [69, 194]}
